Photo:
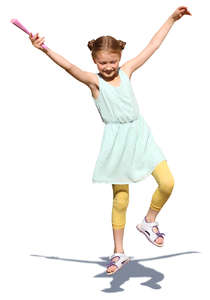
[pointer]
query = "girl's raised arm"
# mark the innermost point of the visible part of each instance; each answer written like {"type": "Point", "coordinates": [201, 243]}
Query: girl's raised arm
{"type": "Point", "coordinates": [83, 76]}
{"type": "Point", "coordinates": [156, 41]}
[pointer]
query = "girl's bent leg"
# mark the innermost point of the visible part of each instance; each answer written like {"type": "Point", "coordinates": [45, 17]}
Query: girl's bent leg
{"type": "Point", "coordinates": [165, 180]}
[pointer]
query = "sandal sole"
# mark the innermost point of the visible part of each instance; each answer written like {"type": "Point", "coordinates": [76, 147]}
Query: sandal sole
{"type": "Point", "coordinates": [124, 263]}
{"type": "Point", "coordinates": [156, 244]}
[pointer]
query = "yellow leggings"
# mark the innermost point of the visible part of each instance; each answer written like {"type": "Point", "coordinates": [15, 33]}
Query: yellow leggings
{"type": "Point", "coordinates": [165, 182]}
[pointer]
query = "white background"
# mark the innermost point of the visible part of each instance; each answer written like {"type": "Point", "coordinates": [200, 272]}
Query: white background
{"type": "Point", "coordinates": [50, 134]}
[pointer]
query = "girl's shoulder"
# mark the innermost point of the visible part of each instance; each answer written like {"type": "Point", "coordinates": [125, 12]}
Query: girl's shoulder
{"type": "Point", "coordinates": [125, 68]}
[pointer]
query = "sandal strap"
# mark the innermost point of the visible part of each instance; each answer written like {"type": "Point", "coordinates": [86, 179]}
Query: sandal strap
{"type": "Point", "coordinates": [159, 234]}
{"type": "Point", "coordinates": [111, 264]}
{"type": "Point", "coordinates": [117, 254]}
{"type": "Point", "coordinates": [150, 223]}
{"type": "Point", "coordinates": [122, 258]}
{"type": "Point", "coordinates": [119, 263]}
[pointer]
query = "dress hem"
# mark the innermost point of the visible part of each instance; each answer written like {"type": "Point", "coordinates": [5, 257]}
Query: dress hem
{"type": "Point", "coordinates": [142, 178]}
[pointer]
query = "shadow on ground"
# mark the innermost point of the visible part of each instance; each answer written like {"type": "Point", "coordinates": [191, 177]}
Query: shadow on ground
{"type": "Point", "coordinates": [131, 270]}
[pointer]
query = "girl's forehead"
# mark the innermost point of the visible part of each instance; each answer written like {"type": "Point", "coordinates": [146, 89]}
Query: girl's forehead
{"type": "Point", "coordinates": [107, 55]}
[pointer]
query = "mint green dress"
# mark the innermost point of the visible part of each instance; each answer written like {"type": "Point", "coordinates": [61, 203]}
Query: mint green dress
{"type": "Point", "coordinates": [128, 151]}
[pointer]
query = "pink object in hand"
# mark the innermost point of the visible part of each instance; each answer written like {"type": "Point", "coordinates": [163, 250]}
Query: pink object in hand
{"type": "Point", "coordinates": [19, 25]}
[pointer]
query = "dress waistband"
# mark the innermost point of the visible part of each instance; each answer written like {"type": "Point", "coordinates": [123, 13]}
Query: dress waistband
{"type": "Point", "coordinates": [118, 122]}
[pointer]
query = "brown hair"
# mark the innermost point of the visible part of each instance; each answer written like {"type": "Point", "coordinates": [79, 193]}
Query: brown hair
{"type": "Point", "coordinates": [106, 43]}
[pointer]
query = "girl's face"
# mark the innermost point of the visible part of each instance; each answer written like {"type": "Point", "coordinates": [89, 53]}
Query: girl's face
{"type": "Point", "coordinates": [107, 63]}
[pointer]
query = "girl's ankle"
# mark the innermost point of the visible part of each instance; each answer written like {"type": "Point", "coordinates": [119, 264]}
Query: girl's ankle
{"type": "Point", "coordinates": [149, 220]}
{"type": "Point", "coordinates": [118, 251]}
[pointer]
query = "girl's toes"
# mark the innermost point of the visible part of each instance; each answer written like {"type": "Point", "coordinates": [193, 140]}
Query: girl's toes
{"type": "Point", "coordinates": [159, 240]}
{"type": "Point", "coordinates": [111, 269]}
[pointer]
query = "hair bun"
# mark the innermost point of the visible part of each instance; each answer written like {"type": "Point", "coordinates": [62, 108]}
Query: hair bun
{"type": "Point", "coordinates": [91, 44]}
{"type": "Point", "coordinates": [122, 44]}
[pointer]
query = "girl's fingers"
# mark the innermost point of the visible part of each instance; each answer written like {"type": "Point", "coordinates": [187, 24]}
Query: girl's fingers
{"type": "Point", "coordinates": [33, 38]}
{"type": "Point", "coordinates": [188, 13]}
{"type": "Point", "coordinates": [181, 7]}
{"type": "Point", "coordinates": [37, 40]}
{"type": "Point", "coordinates": [180, 12]}
{"type": "Point", "coordinates": [41, 41]}
{"type": "Point", "coordinates": [184, 10]}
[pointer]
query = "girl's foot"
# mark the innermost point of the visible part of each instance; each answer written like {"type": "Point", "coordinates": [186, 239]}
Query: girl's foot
{"type": "Point", "coordinates": [160, 239]}
{"type": "Point", "coordinates": [112, 268]}
{"type": "Point", "coordinates": [114, 259]}
{"type": "Point", "coordinates": [151, 231]}
{"type": "Point", "coordinates": [118, 260]}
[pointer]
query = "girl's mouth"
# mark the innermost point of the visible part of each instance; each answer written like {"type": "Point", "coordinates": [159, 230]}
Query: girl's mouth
{"type": "Point", "coordinates": [109, 72]}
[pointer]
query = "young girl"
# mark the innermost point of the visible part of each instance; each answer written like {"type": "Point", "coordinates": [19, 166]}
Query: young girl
{"type": "Point", "coordinates": [128, 151]}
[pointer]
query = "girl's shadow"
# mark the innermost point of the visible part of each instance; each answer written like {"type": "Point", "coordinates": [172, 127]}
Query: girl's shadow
{"type": "Point", "coordinates": [132, 269]}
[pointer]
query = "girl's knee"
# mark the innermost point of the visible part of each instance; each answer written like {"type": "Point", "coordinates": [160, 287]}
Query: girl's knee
{"type": "Point", "coordinates": [121, 200]}
{"type": "Point", "coordinates": [167, 185]}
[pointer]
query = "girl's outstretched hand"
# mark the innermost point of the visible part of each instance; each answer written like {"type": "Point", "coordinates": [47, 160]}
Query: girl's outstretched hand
{"type": "Point", "coordinates": [180, 12]}
{"type": "Point", "coordinates": [36, 41]}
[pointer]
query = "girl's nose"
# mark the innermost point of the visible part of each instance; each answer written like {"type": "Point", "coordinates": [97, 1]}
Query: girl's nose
{"type": "Point", "coordinates": [108, 68]}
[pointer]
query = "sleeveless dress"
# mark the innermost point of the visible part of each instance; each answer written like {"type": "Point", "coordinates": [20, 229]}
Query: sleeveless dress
{"type": "Point", "coordinates": [128, 152]}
